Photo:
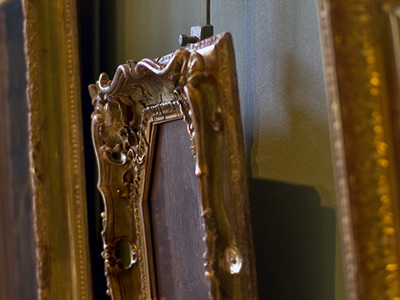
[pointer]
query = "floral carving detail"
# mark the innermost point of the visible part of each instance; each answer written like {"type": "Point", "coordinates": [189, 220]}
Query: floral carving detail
{"type": "Point", "coordinates": [123, 140]}
{"type": "Point", "coordinates": [181, 85]}
{"type": "Point", "coordinates": [121, 120]}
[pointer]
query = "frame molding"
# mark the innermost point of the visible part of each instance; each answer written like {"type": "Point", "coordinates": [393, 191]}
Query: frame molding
{"type": "Point", "coordinates": [56, 149]}
{"type": "Point", "coordinates": [360, 43]}
{"type": "Point", "coordinates": [197, 84]}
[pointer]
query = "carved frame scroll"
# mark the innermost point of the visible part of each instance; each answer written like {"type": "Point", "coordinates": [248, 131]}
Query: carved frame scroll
{"type": "Point", "coordinates": [361, 42]}
{"type": "Point", "coordinates": [197, 84]}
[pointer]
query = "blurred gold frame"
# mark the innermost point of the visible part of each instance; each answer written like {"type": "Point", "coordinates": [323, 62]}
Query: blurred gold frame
{"type": "Point", "coordinates": [197, 84]}
{"type": "Point", "coordinates": [3, 2]}
{"type": "Point", "coordinates": [361, 51]}
{"type": "Point", "coordinates": [56, 149]}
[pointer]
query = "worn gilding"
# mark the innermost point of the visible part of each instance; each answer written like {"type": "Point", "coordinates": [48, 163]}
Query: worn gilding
{"type": "Point", "coordinates": [56, 150]}
{"type": "Point", "coordinates": [197, 84]}
{"type": "Point", "coordinates": [360, 45]}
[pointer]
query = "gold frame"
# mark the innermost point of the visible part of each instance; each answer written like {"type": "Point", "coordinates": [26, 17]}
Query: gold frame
{"type": "Point", "coordinates": [3, 3]}
{"type": "Point", "coordinates": [361, 42]}
{"type": "Point", "coordinates": [197, 84]}
{"type": "Point", "coordinates": [56, 151]}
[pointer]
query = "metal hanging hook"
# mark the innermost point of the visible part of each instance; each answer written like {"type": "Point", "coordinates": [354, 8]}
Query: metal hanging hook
{"type": "Point", "coordinates": [198, 33]}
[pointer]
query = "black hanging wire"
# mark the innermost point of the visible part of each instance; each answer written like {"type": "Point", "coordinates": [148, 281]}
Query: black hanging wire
{"type": "Point", "coordinates": [208, 12]}
{"type": "Point", "coordinates": [205, 12]}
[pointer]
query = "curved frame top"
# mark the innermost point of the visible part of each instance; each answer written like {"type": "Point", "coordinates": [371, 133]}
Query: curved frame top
{"type": "Point", "coordinates": [198, 84]}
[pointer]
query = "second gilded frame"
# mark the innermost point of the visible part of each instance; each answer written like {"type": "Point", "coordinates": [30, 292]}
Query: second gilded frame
{"type": "Point", "coordinates": [360, 43]}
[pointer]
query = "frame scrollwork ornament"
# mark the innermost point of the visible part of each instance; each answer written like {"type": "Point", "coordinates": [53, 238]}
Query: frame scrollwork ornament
{"type": "Point", "coordinates": [196, 84]}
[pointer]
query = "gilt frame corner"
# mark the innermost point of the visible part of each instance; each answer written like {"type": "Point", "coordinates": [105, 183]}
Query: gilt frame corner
{"type": "Point", "coordinates": [196, 84]}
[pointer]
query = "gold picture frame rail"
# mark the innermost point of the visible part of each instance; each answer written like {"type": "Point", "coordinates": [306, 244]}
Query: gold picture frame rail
{"type": "Point", "coordinates": [360, 43]}
{"type": "Point", "coordinates": [198, 84]}
{"type": "Point", "coordinates": [4, 3]}
{"type": "Point", "coordinates": [56, 149]}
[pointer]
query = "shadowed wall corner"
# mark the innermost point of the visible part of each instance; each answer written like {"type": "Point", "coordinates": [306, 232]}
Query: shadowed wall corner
{"type": "Point", "coordinates": [294, 239]}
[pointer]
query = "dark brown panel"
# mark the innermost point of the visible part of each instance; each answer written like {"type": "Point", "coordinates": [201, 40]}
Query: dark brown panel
{"type": "Point", "coordinates": [9, 275]}
{"type": "Point", "coordinates": [175, 217]}
{"type": "Point", "coordinates": [17, 248]}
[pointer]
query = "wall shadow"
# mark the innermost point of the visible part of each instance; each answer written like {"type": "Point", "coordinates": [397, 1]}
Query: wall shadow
{"type": "Point", "coordinates": [294, 239]}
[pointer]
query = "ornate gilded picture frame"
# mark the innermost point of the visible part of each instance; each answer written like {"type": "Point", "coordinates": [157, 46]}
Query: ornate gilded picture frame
{"type": "Point", "coordinates": [198, 85]}
{"type": "Point", "coordinates": [361, 43]}
{"type": "Point", "coordinates": [55, 149]}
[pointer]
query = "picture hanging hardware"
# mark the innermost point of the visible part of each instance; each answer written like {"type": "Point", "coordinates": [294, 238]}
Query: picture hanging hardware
{"type": "Point", "coordinates": [198, 33]}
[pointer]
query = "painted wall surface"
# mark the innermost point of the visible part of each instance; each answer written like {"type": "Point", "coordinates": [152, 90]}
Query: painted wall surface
{"type": "Point", "coordinates": [282, 94]}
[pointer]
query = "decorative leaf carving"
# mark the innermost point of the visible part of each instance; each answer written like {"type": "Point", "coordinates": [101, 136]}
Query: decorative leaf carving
{"type": "Point", "coordinates": [186, 85]}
